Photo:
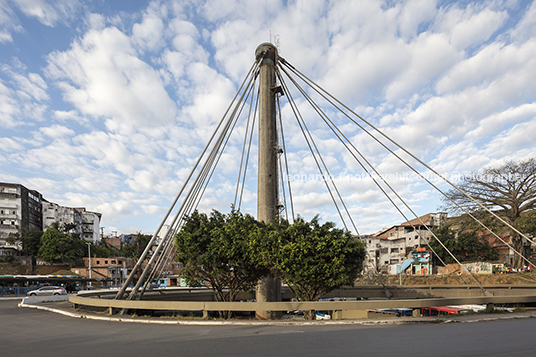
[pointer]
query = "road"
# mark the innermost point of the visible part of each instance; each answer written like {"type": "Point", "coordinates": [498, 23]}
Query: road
{"type": "Point", "coordinates": [29, 332]}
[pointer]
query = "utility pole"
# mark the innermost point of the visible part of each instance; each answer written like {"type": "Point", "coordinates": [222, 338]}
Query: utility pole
{"type": "Point", "coordinates": [89, 254]}
{"type": "Point", "coordinates": [267, 195]}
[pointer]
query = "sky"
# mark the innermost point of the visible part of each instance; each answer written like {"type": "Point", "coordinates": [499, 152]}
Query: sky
{"type": "Point", "coordinates": [107, 104]}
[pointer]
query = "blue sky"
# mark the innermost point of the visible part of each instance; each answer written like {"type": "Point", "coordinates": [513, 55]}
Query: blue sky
{"type": "Point", "coordinates": [106, 104]}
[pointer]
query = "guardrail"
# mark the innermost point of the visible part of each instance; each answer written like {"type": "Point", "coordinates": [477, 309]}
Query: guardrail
{"type": "Point", "coordinates": [292, 306]}
{"type": "Point", "coordinates": [15, 291]}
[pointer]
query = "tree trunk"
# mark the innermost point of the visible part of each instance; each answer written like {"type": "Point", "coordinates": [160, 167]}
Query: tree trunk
{"type": "Point", "coordinates": [309, 314]}
{"type": "Point", "coordinates": [517, 243]}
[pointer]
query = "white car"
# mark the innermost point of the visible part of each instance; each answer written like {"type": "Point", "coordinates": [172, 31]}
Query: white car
{"type": "Point", "coordinates": [48, 290]}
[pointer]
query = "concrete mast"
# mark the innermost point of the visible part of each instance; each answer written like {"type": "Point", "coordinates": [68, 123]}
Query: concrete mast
{"type": "Point", "coordinates": [268, 191]}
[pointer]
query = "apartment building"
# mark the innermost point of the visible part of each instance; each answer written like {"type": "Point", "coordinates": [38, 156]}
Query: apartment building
{"type": "Point", "coordinates": [20, 209]}
{"type": "Point", "coordinates": [391, 246]}
{"type": "Point", "coordinates": [86, 223]}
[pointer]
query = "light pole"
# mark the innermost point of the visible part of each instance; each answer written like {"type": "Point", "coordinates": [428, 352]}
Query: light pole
{"type": "Point", "coordinates": [89, 254]}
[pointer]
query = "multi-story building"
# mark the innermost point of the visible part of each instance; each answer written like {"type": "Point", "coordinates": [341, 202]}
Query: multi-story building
{"type": "Point", "coordinates": [416, 232]}
{"type": "Point", "coordinates": [391, 246]}
{"type": "Point", "coordinates": [53, 212]}
{"type": "Point", "coordinates": [86, 223]}
{"type": "Point", "coordinates": [90, 225]}
{"type": "Point", "coordinates": [20, 209]}
{"type": "Point", "coordinates": [383, 255]}
{"type": "Point", "coordinates": [113, 269]}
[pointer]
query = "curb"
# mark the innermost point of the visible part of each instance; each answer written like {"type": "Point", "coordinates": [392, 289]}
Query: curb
{"type": "Point", "coordinates": [265, 322]}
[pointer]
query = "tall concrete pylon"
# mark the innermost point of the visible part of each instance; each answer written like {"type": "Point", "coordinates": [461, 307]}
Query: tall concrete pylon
{"type": "Point", "coordinates": [267, 191]}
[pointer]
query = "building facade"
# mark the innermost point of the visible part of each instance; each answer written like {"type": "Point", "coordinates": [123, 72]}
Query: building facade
{"type": "Point", "coordinates": [417, 231]}
{"type": "Point", "coordinates": [114, 270]}
{"type": "Point", "coordinates": [20, 210]}
{"type": "Point", "coordinates": [390, 247]}
{"type": "Point", "coordinates": [86, 223]}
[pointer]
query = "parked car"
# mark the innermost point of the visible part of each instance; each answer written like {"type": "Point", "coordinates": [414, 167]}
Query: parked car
{"type": "Point", "coordinates": [48, 290]}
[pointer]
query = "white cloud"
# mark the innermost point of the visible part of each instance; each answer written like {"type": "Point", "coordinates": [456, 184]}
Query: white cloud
{"type": "Point", "coordinates": [470, 26]}
{"type": "Point", "coordinates": [57, 131]}
{"type": "Point", "coordinates": [102, 77]}
{"type": "Point", "coordinates": [142, 90]}
{"type": "Point", "coordinates": [526, 27]}
{"type": "Point", "coordinates": [49, 12]}
{"type": "Point", "coordinates": [149, 33]}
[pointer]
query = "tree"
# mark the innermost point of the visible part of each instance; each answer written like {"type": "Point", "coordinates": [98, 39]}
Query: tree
{"type": "Point", "coordinates": [314, 259]}
{"type": "Point", "coordinates": [138, 244]}
{"type": "Point", "coordinates": [30, 241]}
{"type": "Point", "coordinates": [60, 247]}
{"type": "Point", "coordinates": [218, 251]}
{"type": "Point", "coordinates": [49, 250]}
{"type": "Point", "coordinates": [510, 189]}
{"type": "Point", "coordinates": [98, 251]}
{"type": "Point", "coordinates": [465, 246]}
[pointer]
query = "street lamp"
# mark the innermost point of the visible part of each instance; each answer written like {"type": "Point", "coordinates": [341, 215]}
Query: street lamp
{"type": "Point", "coordinates": [89, 254]}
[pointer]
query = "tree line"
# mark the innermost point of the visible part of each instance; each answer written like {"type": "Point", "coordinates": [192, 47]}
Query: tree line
{"type": "Point", "coordinates": [59, 244]}
{"type": "Point", "coordinates": [232, 252]}
{"type": "Point", "coordinates": [509, 191]}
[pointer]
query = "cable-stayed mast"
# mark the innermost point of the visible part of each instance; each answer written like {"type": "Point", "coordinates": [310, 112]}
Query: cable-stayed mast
{"type": "Point", "coordinates": [267, 190]}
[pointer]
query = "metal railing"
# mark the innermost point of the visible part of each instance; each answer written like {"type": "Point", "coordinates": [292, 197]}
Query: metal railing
{"type": "Point", "coordinates": [15, 291]}
{"type": "Point", "coordinates": [207, 306]}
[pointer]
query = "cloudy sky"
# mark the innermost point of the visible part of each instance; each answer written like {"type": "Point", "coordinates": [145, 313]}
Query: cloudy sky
{"type": "Point", "coordinates": [107, 104]}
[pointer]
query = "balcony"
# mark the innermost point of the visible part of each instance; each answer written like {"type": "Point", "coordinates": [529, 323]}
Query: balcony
{"type": "Point", "coordinates": [10, 226]}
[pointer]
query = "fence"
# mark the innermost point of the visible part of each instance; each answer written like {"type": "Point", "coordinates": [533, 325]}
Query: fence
{"type": "Point", "coordinates": [15, 291]}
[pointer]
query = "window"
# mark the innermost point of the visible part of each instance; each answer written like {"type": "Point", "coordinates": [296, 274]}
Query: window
{"type": "Point", "coordinates": [394, 250]}
{"type": "Point", "coordinates": [98, 262]}
{"type": "Point", "coordinates": [394, 261]}
{"type": "Point", "coordinates": [105, 262]}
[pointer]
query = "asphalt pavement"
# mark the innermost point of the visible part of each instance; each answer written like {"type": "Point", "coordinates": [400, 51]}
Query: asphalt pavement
{"type": "Point", "coordinates": [66, 308]}
{"type": "Point", "coordinates": [34, 332]}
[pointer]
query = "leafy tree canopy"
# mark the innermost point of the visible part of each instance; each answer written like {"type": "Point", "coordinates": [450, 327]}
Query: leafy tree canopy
{"type": "Point", "coordinates": [218, 250]}
{"type": "Point", "coordinates": [465, 246]}
{"type": "Point", "coordinates": [58, 247]}
{"type": "Point", "coordinates": [314, 259]}
{"type": "Point", "coordinates": [30, 241]}
{"type": "Point", "coordinates": [510, 189]}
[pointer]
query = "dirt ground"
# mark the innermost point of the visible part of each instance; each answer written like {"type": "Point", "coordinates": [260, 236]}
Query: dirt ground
{"type": "Point", "coordinates": [17, 269]}
{"type": "Point", "coordinates": [484, 279]}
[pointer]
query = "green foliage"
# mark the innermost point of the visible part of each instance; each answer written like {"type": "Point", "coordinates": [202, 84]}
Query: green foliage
{"type": "Point", "coordinates": [235, 251]}
{"type": "Point", "coordinates": [527, 223]}
{"type": "Point", "coordinates": [465, 246]}
{"type": "Point", "coordinates": [60, 247]}
{"type": "Point", "coordinates": [510, 190]}
{"type": "Point", "coordinates": [314, 259]}
{"type": "Point", "coordinates": [99, 251]}
{"type": "Point", "coordinates": [30, 241]}
{"type": "Point", "coordinates": [136, 247]}
{"type": "Point", "coordinates": [219, 250]}
{"type": "Point", "coordinates": [140, 242]}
